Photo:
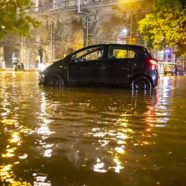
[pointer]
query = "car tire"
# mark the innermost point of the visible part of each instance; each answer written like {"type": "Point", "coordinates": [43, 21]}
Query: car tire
{"type": "Point", "coordinates": [141, 83]}
{"type": "Point", "coordinates": [54, 80]}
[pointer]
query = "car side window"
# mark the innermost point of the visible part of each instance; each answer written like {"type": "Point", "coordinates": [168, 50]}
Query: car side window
{"type": "Point", "coordinates": [131, 54]}
{"type": "Point", "coordinates": [90, 54]}
{"type": "Point", "coordinates": [121, 53]}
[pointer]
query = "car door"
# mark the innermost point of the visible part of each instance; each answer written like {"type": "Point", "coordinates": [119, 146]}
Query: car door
{"type": "Point", "coordinates": [84, 66]}
{"type": "Point", "coordinates": [118, 66]}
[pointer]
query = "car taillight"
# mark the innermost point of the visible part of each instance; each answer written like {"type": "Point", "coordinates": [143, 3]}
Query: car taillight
{"type": "Point", "coordinates": [153, 64]}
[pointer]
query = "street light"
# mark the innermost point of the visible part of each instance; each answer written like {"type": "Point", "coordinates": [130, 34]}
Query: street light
{"type": "Point", "coordinates": [122, 35]}
{"type": "Point", "coordinates": [124, 31]}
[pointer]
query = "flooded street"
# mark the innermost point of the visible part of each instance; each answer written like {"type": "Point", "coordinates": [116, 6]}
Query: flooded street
{"type": "Point", "coordinates": [89, 136]}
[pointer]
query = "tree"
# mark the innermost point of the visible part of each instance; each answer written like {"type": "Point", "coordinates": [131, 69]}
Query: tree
{"type": "Point", "coordinates": [166, 25]}
{"type": "Point", "coordinates": [14, 19]}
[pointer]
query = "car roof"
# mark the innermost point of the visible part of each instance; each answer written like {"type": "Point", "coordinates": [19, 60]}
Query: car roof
{"type": "Point", "coordinates": [115, 44]}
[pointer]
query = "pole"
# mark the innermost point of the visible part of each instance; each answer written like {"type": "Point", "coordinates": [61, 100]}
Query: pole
{"type": "Point", "coordinates": [52, 44]}
{"type": "Point", "coordinates": [131, 29]}
{"type": "Point", "coordinates": [87, 42]}
{"type": "Point", "coordinates": [78, 6]}
{"type": "Point", "coordinates": [87, 21]}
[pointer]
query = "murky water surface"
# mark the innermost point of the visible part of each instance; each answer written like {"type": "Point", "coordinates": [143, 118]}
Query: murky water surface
{"type": "Point", "coordinates": [89, 136]}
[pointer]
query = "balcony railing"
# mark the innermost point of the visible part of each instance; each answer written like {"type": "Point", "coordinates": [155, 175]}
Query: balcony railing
{"type": "Point", "coordinates": [69, 4]}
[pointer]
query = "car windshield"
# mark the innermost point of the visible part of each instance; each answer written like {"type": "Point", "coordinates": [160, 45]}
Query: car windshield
{"type": "Point", "coordinates": [89, 54]}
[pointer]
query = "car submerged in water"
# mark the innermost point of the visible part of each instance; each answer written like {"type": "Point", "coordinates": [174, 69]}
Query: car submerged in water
{"type": "Point", "coordinates": [108, 65]}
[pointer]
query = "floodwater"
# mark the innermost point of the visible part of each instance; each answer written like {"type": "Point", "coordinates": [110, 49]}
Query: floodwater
{"type": "Point", "coordinates": [89, 136]}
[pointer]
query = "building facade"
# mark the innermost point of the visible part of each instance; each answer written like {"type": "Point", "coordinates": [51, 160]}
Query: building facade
{"type": "Point", "coordinates": [68, 25]}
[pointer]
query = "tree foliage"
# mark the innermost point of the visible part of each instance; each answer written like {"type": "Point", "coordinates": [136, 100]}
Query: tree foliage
{"type": "Point", "coordinates": [166, 25]}
{"type": "Point", "coordinates": [14, 18]}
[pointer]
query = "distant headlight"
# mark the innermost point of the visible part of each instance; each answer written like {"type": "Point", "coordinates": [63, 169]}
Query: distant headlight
{"type": "Point", "coordinates": [43, 66]}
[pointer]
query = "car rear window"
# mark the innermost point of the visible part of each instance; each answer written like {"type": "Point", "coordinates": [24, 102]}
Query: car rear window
{"type": "Point", "coordinates": [121, 53]}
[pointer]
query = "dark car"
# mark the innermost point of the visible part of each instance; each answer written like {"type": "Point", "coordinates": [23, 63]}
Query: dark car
{"type": "Point", "coordinates": [113, 65]}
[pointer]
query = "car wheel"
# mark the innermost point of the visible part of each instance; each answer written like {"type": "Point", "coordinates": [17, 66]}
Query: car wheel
{"type": "Point", "coordinates": [140, 83]}
{"type": "Point", "coordinates": [54, 80]}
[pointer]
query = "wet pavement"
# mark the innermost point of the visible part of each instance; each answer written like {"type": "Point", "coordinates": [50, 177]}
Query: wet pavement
{"type": "Point", "coordinates": [89, 136]}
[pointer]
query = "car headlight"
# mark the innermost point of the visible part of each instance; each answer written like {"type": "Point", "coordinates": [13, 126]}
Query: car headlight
{"type": "Point", "coordinates": [43, 66]}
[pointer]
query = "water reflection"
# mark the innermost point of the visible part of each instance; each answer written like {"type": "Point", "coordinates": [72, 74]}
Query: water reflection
{"type": "Point", "coordinates": [57, 136]}
{"type": "Point", "coordinates": [13, 133]}
{"type": "Point", "coordinates": [99, 128]}
{"type": "Point", "coordinates": [44, 132]}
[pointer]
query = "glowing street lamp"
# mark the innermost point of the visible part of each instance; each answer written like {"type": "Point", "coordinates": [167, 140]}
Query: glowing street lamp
{"type": "Point", "coordinates": [122, 35]}
{"type": "Point", "coordinates": [124, 31]}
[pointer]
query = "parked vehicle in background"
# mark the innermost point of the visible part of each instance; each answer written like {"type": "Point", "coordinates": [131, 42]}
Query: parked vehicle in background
{"type": "Point", "coordinates": [168, 68]}
{"type": "Point", "coordinates": [180, 70]}
{"type": "Point", "coordinates": [113, 65]}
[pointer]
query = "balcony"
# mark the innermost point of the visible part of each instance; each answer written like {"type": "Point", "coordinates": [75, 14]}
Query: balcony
{"type": "Point", "coordinates": [66, 5]}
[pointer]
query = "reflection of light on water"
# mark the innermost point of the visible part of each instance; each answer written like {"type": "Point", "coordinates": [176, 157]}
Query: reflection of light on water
{"type": "Point", "coordinates": [122, 135]}
{"type": "Point", "coordinates": [44, 131]}
{"type": "Point", "coordinates": [10, 152]}
{"type": "Point", "coordinates": [118, 166]}
{"type": "Point", "coordinates": [43, 104]}
{"type": "Point", "coordinates": [120, 150]}
{"type": "Point", "coordinates": [103, 142]}
{"type": "Point", "coordinates": [41, 180]}
{"type": "Point", "coordinates": [7, 176]}
{"type": "Point", "coordinates": [9, 122]}
{"type": "Point", "coordinates": [13, 130]}
{"type": "Point", "coordinates": [99, 166]}
{"type": "Point", "coordinates": [166, 88]}
{"type": "Point", "coordinates": [100, 134]}
{"type": "Point", "coordinates": [15, 138]}
{"type": "Point", "coordinates": [144, 143]}
{"type": "Point", "coordinates": [157, 113]}
{"type": "Point", "coordinates": [6, 173]}
{"type": "Point", "coordinates": [106, 140]}
{"type": "Point", "coordinates": [48, 153]}
{"type": "Point", "coordinates": [114, 139]}
{"type": "Point", "coordinates": [24, 156]}
{"type": "Point", "coordinates": [4, 104]}
{"type": "Point", "coordinates": [122, 121]}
